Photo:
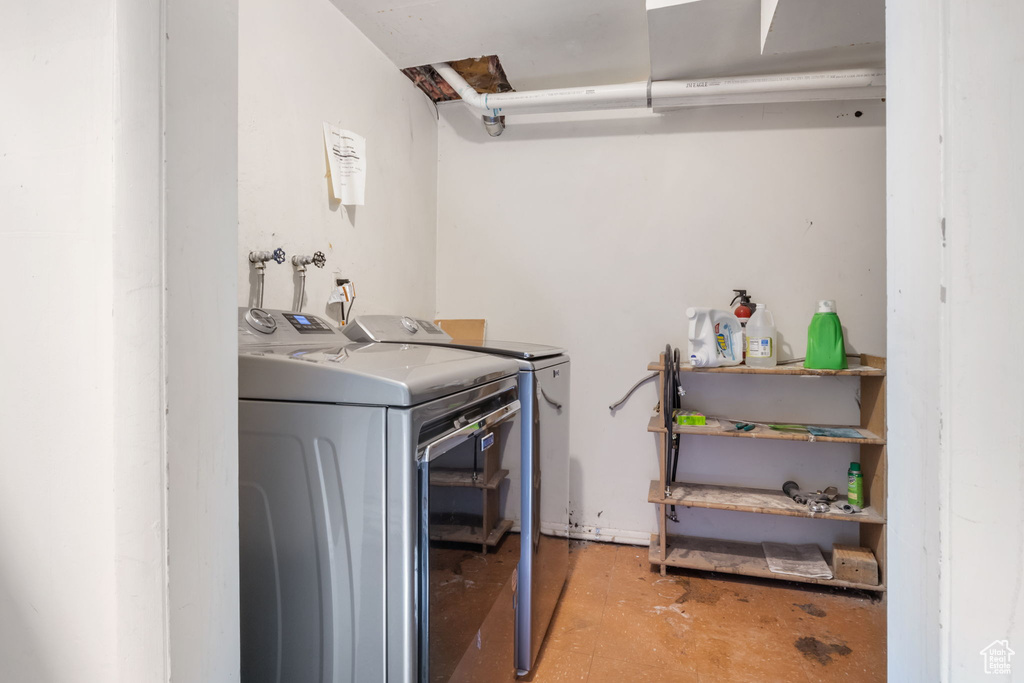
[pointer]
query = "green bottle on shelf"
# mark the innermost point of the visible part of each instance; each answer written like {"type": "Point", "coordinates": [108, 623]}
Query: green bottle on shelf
{"type": "Point", "coordinates": [855, 487]}
{"type": "Point", "coordinates": [826, 349]}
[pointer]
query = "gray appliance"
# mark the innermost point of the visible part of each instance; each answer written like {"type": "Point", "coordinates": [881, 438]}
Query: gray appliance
{"type": "Point", "coordinates": [337, 442]}
{"type": "Point", "coordinates": [544, 392]}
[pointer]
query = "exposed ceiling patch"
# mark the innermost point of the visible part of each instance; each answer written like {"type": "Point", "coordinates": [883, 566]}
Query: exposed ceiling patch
{"type": "Point", "coordinates": [485, 74]}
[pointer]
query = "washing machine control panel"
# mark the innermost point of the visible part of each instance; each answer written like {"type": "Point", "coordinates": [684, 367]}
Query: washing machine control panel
{"type": "Point", "coordinates": [393, 328]}
{"type": "Point", "coordinates": [308, 324]}
{"type": "Point", "coordinates": [260, 326]}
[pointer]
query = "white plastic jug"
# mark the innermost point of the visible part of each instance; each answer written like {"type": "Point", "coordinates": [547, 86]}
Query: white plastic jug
{"type": "Point", "coordinates": [761, 337]}
{"type": "Point", "coordinates": [716, 338]}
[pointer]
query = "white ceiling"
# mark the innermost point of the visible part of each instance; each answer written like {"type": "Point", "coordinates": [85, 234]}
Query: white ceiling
{"type": "Point", "coordinates": [541, 43]}
{"type": "Point", "coordinates": [558, 43]}
{"type": "Point", "coordinates": [805, 25]}
{"type": "Point", "coordinates": [695, 38]}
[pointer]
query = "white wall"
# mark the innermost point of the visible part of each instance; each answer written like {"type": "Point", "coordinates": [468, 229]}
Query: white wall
{"type": "Point", "coordinates": [140, 479]}
{"type": "Point", "coordinates": [983, 176]}
{"type": "Point", "coordinates": [595, 232]}
{"type": "Point", "coordinates": [915, 346]}
{"type": "Point", "coordinates": [201, 57]}
{"type": "Point", "coordinates": [303, 63]}
{"type": "Point", "coordinates": [118, 517]}
{"type": "Point", "coordinates": [57, 587]}
{"type": "Point", "coordinates": [955, 146]}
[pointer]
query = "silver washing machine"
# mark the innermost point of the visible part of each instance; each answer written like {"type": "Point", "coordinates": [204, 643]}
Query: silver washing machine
{"type": "Point", "coordinates": [338, 445]}
{"type": "Point", "coordinates": [544, 391]}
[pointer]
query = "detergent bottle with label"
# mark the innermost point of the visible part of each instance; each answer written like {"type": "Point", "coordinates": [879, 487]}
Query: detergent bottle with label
{"type": "Point", "coordinates": [761, 351]}
{"type": "Point", "coordinates": [826, 349]}
{"type": "Point", "coordinates": [716, 338]}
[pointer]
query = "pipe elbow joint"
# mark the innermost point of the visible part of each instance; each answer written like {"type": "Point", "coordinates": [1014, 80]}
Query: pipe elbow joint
{"type": "Point", "coordinates": [459, 84]}
{"type": "Point", "coordinates": [494, 125]}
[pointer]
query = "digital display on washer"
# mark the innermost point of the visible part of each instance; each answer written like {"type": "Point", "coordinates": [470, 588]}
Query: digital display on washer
{"type": "Point", "coordinates": [308, 324]}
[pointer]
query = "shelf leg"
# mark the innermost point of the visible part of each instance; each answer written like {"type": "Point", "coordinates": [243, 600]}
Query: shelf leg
{"type": "Point", "coordinates": [662, 443]}
{"type": "Point", "coordinates": [663, 537]}
{"type": "Point", "coordinates": [663, 449]}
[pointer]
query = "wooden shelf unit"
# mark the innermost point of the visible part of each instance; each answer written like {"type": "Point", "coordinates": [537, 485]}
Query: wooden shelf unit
{"type": "Point", "coordinates": [861, 369]}
{"type": "Point", "coordinates": [727, 428]}
{"type": "Point", "coordinates": [742, 499]}
{"type": "Point", "coordinates": [748, 558]}
{"type": "Point", "coordinates": [733, 557]}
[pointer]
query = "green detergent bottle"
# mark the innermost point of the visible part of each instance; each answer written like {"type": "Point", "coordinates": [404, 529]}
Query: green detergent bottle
{"type": "Point", "coordinates": [826, 349]}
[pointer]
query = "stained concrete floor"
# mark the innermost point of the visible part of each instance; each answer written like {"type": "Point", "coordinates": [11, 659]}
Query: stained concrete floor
{"type": "Point", "coordinates": [621, 621]}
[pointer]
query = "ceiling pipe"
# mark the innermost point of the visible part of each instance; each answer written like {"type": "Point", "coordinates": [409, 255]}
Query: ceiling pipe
{"type": "Point", "coordinates": [620, 96]}
{"type": "Point", "coordinates": [846, 84]}
{"type": "Point", "coordinates": [812, 86]}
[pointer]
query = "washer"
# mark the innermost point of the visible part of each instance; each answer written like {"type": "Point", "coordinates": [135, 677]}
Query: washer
{"type": "Point", "coordinates": [543, 375]}
{"type": "Point", "coordinates": [337, 441]}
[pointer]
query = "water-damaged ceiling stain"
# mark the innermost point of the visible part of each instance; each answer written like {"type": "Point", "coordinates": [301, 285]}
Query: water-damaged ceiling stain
{"type": "Point", "coordinates": [483, 73]}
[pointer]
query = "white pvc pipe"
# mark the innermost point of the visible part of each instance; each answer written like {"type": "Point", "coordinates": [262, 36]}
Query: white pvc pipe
{"type": "Point", "coordinates": [467, 92]}
{"type": "Point", "coordinates": [796, 87]}
{"type": "Point", "coordinates": [661, 101]}
{"type": "Point", "coordinates": [618, 96]}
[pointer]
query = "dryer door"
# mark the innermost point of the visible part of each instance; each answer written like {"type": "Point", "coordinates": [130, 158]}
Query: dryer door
{"type": "Point", "coordinates": [467, 552]}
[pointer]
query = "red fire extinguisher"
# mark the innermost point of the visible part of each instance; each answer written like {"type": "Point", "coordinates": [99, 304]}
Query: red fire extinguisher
{"type": "Point", "coordinates": [743, 312]}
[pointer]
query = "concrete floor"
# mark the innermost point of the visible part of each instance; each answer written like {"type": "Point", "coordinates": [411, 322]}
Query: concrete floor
{"type": "Point", "coordinates": [621, 621]}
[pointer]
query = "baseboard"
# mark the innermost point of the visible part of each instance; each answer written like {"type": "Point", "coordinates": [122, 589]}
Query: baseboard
{"type": "Point", "coordinates": [603, 534]}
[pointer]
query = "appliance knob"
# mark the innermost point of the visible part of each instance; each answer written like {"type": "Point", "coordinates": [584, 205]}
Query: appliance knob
{"type": "Point", "coordinates": [410, 325]}
{"type": "Point", "coordinates": [260, 320]}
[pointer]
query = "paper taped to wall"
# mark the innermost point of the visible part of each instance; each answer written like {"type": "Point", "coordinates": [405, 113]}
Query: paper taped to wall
{"type": "Point", "coordinates": [346, 152]}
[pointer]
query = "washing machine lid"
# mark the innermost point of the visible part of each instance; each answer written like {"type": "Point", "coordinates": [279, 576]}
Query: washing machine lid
{"type": "Point", "coordinates": [289, 364]}
{"type": "Point", "coordinates": [395, 328]}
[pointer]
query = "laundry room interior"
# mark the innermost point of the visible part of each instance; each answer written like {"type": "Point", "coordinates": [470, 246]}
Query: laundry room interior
{"type": "Point", "coordinates": [591, 340]}
{"type": "Point", "coordinates": [595, 231]}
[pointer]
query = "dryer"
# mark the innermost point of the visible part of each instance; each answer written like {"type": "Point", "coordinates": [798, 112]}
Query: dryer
{"type": "Point", "coordinates": [544, 382]}
{"type": "Point", "coordinates": [337, 442]}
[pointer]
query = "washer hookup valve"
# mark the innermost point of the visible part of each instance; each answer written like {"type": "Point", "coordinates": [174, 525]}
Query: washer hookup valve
{"type": "Point", "coordinates": [261, 257]}
{"type": "Point", "coordinates": [300, 261]}
{"type": "Point", "coordinates": [259, 260]}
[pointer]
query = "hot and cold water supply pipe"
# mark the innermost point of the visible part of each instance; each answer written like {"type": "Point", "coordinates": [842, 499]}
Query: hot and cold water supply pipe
{"type": "Point", "coordinates": [845, 84]}
{"type": "Point", "coordinates": [259, 260]}
{"type": "Point", "coordinates": [300, 261]}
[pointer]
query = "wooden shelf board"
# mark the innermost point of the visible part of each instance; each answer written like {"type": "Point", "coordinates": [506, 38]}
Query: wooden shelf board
{"type": "Point", "coordinates": [457, 533]}
{"type": "Point", "coordinates": [732, 557]}
{"type": "Point", "coordinates": [464, 478]}
{"type": "Point", "coordinates": [855, 370]}
{"type": "Point", "coordinates": [763, 501]}
{"type": "Point", "coordinates": [726, 428]}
